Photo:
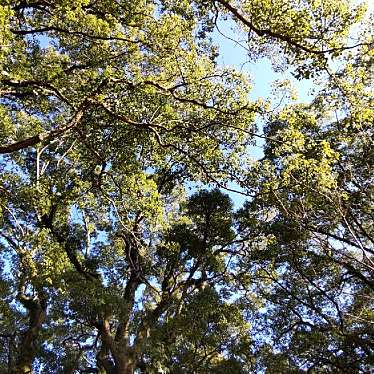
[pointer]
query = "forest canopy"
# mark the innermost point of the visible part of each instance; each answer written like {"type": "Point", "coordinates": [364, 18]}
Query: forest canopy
{"type": "Point", "coordinates": [123, 142]}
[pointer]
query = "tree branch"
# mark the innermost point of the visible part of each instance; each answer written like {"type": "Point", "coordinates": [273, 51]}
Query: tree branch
{"type": "Point", "coordinates": [260, 32]}
{"type": "Point", "coordinates": [46, 136]}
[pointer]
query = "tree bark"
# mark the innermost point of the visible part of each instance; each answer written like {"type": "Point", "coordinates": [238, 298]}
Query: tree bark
{"type": "Point", "coordinates": [27, 347]}
{"type": "Point", "coordinates": [124, 366]}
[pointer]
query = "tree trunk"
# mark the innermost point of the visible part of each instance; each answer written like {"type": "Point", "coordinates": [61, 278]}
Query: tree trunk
{"type": "Point", "coordinates": [27, 347]}
{"type": "Point", "coordinates": [124, 366]}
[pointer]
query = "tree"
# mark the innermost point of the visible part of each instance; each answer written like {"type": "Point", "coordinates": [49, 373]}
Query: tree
{"type": "Point", "coordinates": [109, 111]}
{"type": "Point", "coordinates": [311, 221]}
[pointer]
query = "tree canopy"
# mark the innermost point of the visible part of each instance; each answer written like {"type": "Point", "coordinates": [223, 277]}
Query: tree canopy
{"type": "Point", "coordinates": [122, 144]}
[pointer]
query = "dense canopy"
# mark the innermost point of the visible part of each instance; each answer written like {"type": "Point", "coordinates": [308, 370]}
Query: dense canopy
{"type": "Point", "coordinates": [123, 143]}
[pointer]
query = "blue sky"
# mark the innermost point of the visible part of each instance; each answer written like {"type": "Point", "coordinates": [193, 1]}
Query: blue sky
{"type": "Point", "coordinates": [233, 53]}
{"type": "Point", "coordinates": [261, 73]}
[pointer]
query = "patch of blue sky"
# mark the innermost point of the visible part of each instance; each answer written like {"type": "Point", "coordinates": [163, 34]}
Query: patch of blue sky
{"type": "Point", "coordinates": [263, 77]}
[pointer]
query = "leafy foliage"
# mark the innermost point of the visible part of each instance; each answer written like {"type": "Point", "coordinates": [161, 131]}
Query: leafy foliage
{"type": "Point", "coordinates": [109, 112]}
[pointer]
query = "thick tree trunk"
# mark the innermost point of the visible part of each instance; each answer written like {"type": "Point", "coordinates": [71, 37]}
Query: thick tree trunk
{"type": "Point", "coordinates": [124, 359]}
{"type": "Point", "coordinates": [124, 367]}
{"type": "Point", "coordinates": [114, 357]}
{"type": "Point", "coordinates": [27, 347]}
